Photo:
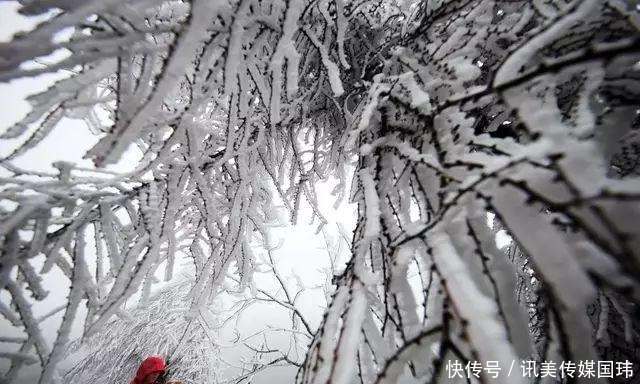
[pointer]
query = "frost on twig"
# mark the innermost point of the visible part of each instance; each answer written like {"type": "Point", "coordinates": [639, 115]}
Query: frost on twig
{"type": "Point", "coordinates": [452, 110]}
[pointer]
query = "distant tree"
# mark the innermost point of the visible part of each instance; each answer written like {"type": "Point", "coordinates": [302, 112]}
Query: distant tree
{"type": "Point", "coordinates": [451, 110]}
{"type": "Point", "coordinates": [193, 343]}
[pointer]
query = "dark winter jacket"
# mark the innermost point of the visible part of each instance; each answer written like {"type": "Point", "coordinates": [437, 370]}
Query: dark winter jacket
{"type": "Point", "coordinates": [148, 366]}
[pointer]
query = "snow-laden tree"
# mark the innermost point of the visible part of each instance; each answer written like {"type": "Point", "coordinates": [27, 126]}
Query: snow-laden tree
{"type": "Point", "coordinates": [452, 110]}
{"type": "Point", "coordinates": [163, 327]}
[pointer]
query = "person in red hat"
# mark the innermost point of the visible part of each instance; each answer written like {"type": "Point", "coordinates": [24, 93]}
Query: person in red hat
{"type": "Point", "coordinates": [149, 371]}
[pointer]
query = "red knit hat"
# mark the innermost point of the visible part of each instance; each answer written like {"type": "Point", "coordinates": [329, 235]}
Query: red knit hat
{"type": "Point", "coordinates": [148, 366]}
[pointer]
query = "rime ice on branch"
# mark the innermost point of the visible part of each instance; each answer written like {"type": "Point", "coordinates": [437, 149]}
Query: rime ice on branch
{"type": "Point", "coordinates": [454, 109]}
